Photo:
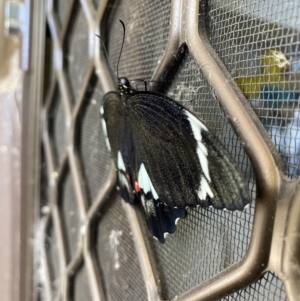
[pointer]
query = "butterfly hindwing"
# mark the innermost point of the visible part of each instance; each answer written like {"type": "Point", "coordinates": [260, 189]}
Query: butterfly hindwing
{"type": "Point", "coordinates": [229, 188]}
{"type": "Point", "coordinates": [161, 218]}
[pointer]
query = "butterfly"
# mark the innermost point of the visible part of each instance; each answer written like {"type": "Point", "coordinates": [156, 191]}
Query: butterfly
{"type": "Point", "coordinates": [167, 158]}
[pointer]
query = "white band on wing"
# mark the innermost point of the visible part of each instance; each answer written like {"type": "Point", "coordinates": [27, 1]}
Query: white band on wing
{"type": "Point", "coordinates": [197, 125]}
{"type": "Point", "coordinates": [145, 182]}
{"type": "Point", "coordinates": [121, 164]}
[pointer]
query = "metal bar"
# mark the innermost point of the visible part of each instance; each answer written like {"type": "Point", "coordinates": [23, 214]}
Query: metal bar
{"type": "Point", "coordinates": [75, 262]}
{"type": "Point", "coordinates": [26, 36]}
{"type": "Point", "coordinates": [265, 161]}
{"type": "Point", "coordinates": [291, 245]}
{"type": "Point", "coordinates": [66, 26]}
{"type": "Point", "coordinates": [58, 62]}
{"type": "Point", "coordinates": [142, 253]}
{"type": "Point", "coordinates": [79, 187]}
{"type": "Point", "coordinates": [42, 257]}
{"type": "Point", "coordinates": [90, 15]}
{"type": "Point", "coordinates": [48, 147]}
{"type": "Point", "coordinates": [93, 272]}
{"type": "Point", "coordinates": [64, 287]}
{"type": "Point", "coordinates": [52, 22]}
{"type": "Point", "coordinates": [103, 71]}
{"type": "Point", "coordinates": [173, 40]}
{"type": "Point", "coordinates": [32, 94]}
{"type": "Point", "coordinates": [60, 237]}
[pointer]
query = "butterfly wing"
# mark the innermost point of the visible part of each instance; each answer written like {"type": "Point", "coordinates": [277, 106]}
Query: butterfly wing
{"type": "Point", "coordinates": [183, 163]}
{"type": "Point", "coordinates": [161, 218]}
{"type": "Point", "coordinates": [116, 134]}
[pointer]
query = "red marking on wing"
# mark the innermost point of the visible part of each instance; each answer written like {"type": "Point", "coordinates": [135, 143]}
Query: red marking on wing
{"type": "Point", "coordinates": [137, 187]}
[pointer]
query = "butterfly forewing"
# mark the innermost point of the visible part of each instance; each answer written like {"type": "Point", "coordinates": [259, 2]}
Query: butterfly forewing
{"type": "Point", "coordinates": [117, 132]}
{"type": "Point", "coordinates": [187, 164]}
{"type": "Point", "coordinates": [167, 149]}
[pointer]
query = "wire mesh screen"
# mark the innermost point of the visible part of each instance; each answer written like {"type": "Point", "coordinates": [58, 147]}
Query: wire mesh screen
{"type": "Point", "coordinates": [94, 156]}
{"type": "Point", "coordinates": [269, 288]}
{"type": "Point", "coordinates": [227, 234]}
{"type": "Point", "coordinates": [261, 55]}
{"type": "Point", "coordinates": [117, 255]}
{"type": "Point", "coordinates": [258, 43]}
{"type": "Point", "coordinates": [145, 41]}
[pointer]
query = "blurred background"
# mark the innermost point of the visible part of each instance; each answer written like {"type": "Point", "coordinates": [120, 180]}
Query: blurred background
{"type": "Point", "coordinates": [11, 81]}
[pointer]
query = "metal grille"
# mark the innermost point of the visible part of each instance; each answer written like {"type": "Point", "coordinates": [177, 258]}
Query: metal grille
{"type": "Point", "coordinates": [92, 251]}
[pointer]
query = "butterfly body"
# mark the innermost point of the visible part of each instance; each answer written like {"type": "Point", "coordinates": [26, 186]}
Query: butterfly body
{"type": "Point", "coordinates": [167, 158]}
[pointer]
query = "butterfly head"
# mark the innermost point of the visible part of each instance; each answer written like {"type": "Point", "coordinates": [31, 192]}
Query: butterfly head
{"type": "Point", "coordinates": [124, 86]}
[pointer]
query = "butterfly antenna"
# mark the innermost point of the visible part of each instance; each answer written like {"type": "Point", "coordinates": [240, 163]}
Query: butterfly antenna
{"type": "Point", "coordinates": [106, 54]}
{"type": "Point", "coordinates": [123, 25]}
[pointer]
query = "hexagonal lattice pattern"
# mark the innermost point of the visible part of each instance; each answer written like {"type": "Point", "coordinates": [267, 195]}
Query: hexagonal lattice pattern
{"type": "Point", "coordinates": [83, 238]}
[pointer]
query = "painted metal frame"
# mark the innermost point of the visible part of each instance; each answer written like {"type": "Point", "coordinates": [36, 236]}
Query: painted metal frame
{"type": "Point", "coordinates": [275, 236]}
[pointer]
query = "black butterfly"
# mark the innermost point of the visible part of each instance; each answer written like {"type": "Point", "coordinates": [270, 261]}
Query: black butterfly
{"type": "Point", "coordinates": [167, 158]}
